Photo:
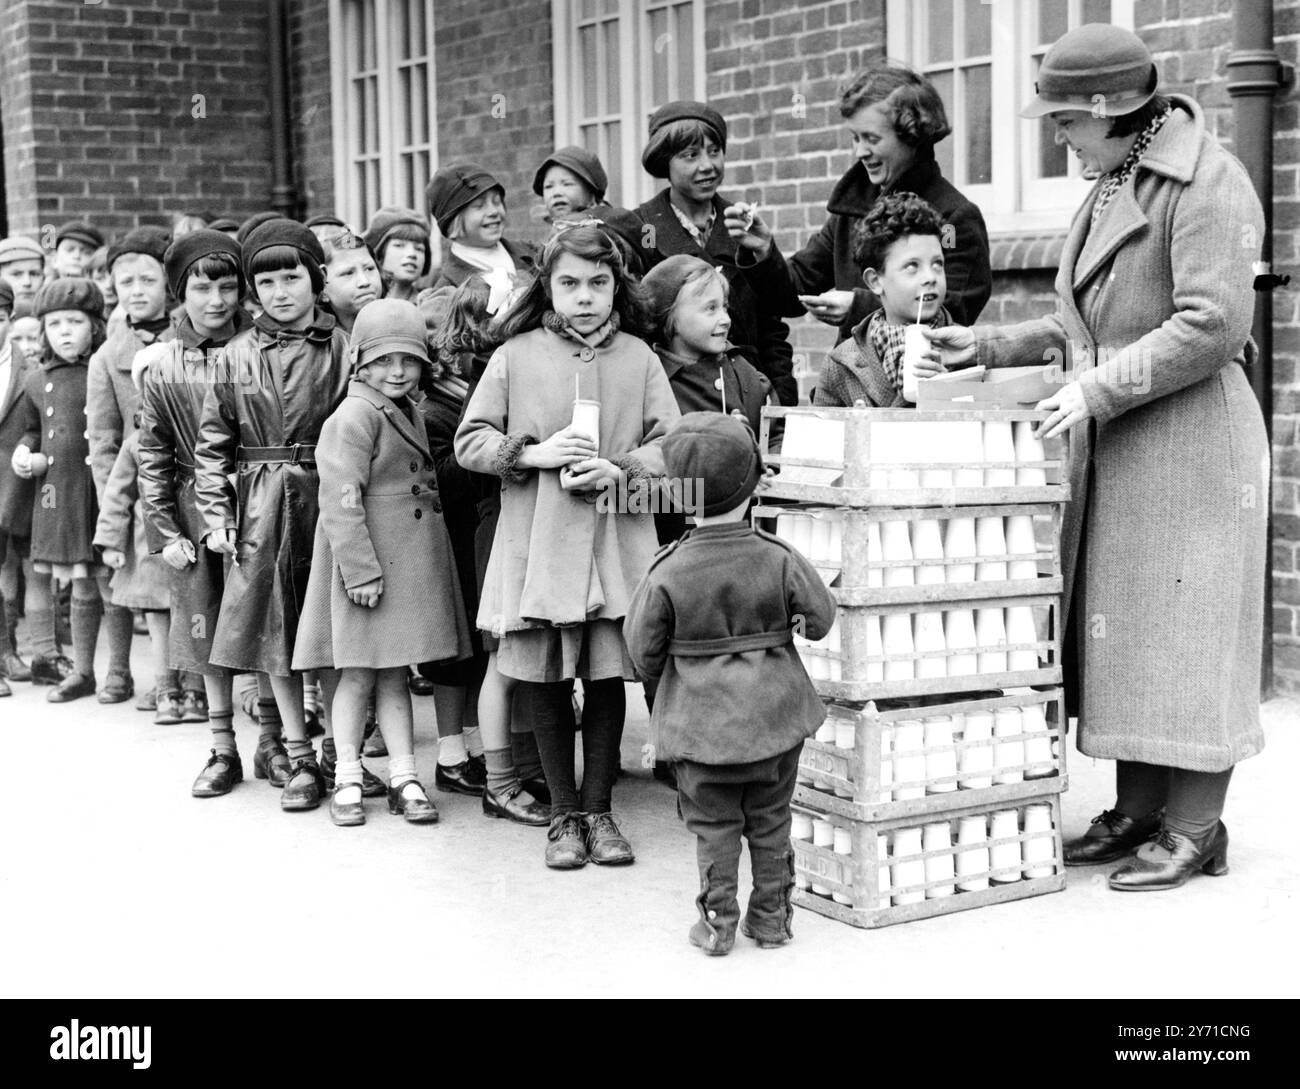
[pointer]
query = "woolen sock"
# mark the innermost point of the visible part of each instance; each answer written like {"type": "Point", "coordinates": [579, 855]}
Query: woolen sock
{"type": "Point", "coordinates": [1196, 800]}
{"type": "Point", "coordinates": [86, 614]}
{"type": "Point", "coordinates": [40, 622]}
{"type": "Point", "coordinates": [603, 714]}
{"type": "Point", "coordinates": [327, 749]}
{"type": "Point", "coordinates": [121, 627]}
{"type": "Point", "coordinates": [268, 718]}
{"type": "Point", "coordinates": [6, 639]}
{"type": "Point", "coordinates": [1140, 788]}
{"type": "Point", "coordinates": [473, 741]}
{"type": "Point", "coordinates": [501, 774]}
{"type": "Point", "coordinates": [554, 730]}
{"type": "Point", "coordinates": [451, 750]}
{"type": "Point", "coordinates": [311, 698]}
{"type": "Point", "coordinates": [401, 770]}
{"type": "Point", "coordinates": [303, 750]}
{"type": "Point", "coordinates": [191, 682]}
{"type": "Point", "coordinates": [347, 773]}
{"type": "Point", "coordinates": [528, 761]}
{"type": "Point", "coordinates": [223, 732]}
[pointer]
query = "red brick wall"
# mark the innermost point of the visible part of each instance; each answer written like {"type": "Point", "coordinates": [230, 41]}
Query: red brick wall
{"type": "Point", "coordinates": [309, 76]}
{"type": "Point", "coordinates": [99, 110]}
{"type": "Point", "coordinates": [495, 94]}
{"type": "Point", "coordinates": [774, 69]}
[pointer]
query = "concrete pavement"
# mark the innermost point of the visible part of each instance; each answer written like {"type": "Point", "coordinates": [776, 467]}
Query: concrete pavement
{"type": "Point", "coordinates": [114, 882]}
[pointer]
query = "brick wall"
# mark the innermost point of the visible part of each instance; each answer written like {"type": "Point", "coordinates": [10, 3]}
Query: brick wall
{"type": "Point", "coordinates": [99, 110]}
{"type": "Point", "coordinates": [309, 89]}
{"type": "Point", "coordinates": [774, 70]}
{"type": "Point", "coordinates": [495, 95]}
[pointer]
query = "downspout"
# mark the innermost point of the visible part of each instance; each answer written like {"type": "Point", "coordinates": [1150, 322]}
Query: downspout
{"type": "Point", "coordinates": [284, 198]}
{"type": "Point", "coordinates": [1255, 75]}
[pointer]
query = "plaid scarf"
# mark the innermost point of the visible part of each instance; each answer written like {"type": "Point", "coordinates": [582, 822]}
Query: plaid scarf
{"type": "Point", "coordinates": [1110, 183]}
{"type": "Point", "coordinates": [599, 338]}
{"type": "Point", "coordinates": [887, 340]}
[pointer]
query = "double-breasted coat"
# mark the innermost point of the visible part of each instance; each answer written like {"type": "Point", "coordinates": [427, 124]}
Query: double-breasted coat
{"type": "Point", "coordinates": [15, 492]}
{"type": "Point", "coordinates": [64, 508]}
{"type": "Point", "coordinates": [559, 558]}
{"type": "Point", "coordinates": [380, 518]}
{"type": "Point", "coordinates": [283, 387]}
{"type": "Point", "coordinates": [1165, 534]}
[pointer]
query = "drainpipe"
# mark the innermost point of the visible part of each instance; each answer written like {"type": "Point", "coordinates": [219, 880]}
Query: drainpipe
{"type": "Point", "coordinates": [1255, 75]}
{"type": "Point", "coordinates": [284, 198]}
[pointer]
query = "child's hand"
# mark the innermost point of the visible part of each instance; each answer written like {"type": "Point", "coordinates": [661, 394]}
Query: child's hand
{"type": "Point", "coordinates": [179, 554]}
{"type": "Point", "coordinates": [367, 594]}
{"type": "Point", "coordinates": [563, 448]}
{"type": "Point", "coordinates": [114, 558]}
{"type": "Point", "coordinates": [747, 229]}
{"type": "Point", "coordinates": [929, 364]}
{"type": "Point", "coordinates": [21, 461]}
{"type": "Point", "coordinates": [590, 474]}
{"type": "Point", "coordinates": [222, 541]}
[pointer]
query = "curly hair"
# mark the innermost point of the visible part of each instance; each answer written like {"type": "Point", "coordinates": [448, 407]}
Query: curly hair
{"type": "Point", "coordinates": [468, 328]}
{"type": "Point", "coordinates": [891, 218]}
{"type": "Point", "coordinates": [909, 101]}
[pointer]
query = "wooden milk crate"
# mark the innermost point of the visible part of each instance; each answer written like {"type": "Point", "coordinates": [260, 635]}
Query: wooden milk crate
{"type": "Point", "coordinates": [851, 567]}
{"type": "Point", "coordinates": [866, 457]}
{"type": "Point", "coordinates": [856, 877]}
{"type": "Point", "coordinates": [864, 782]}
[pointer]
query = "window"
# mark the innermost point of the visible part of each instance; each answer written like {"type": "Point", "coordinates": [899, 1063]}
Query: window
{"type": "Point", "coordinates": [616, 62]}
{"type": "Point", "coordinates": [983, 57]}
{"type": "Point", "coordinates": [385, 146]}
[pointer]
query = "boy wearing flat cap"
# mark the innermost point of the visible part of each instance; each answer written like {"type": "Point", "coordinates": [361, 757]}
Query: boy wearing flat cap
{"type": "Point", "coordinates": [22, 267]}
{"type": "Point", "coordinates": [712, 620]}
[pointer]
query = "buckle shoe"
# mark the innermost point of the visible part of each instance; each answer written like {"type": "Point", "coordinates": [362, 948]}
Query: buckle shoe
{"type": "Point", "coordinates": [305, 787]}
{"type": "Point", "coordinates": [417, 810]}
{"type": "Point", "coordinates": [72, 687]}
{"type": "Point", "coordinates": [219, 775]}
{"type": "Point", "coordinates": [271, 761]}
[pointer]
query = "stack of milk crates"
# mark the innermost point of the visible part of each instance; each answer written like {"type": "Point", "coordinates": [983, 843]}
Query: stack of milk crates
{"type": "Point", "coordinates": [934, 784]}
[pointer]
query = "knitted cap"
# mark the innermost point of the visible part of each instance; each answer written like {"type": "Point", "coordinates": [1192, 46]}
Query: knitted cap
{"type": "Point", "coordinates": [80, 231]}
{"type": "Point", "coordinates": [325, 219]}
{"type": "Point", "coordinates": [18, 247]}
{"type": "Point", "coordinates": [195, 246]}
{"type": "Point", "coordinates": [719, 450]}
{"type": "Point", "coordinates": [152, 241]}
{"type": "Point", "coordinates": [387, 325]}
{"type": "Point", "coordinates": [385, 220]}
{"type": "Point", "coordinates": [253, 222]}
{"type": "Point", "coordinates": [281, 232]}
{"type": "Point", "coordinates": [581, 162]}
{"type": "Point", "coordinates": [1098, 68]}
{"type": "Point", "coordinates": [69, 293]}
{"type": "Point", "coordinates": [455, 186]}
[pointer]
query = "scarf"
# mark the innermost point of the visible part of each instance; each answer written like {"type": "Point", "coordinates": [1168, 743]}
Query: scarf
{"type": "Point", "coordinates": [887, 340]}
{"type": "Point", "coordinates": [1110, 183]}
{"type": "Point", "coordinates": [497, 268]}
{"type": "Point", "coordinates": [153, 326]}
{"type": "Point", "coordinates": [700, 234]}
{"type": "Point", "coordinates": [599, 338]}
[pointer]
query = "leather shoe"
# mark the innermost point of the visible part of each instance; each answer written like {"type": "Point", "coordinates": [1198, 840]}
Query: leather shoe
{"type": "Point", "coordinates": [147, 701]}
{"type": "Point", "coordinates": [5, 690]}
{"type": "Point", "coordinates": [566, 841]}
{"type": "Point", "coordinates": [194, 706]}
{"type": "Point", "coordinates": [117, 688]}
{"type": "Point", "coordinates": [460, 778]}
{"type": "Point", "coordinates": [347, 814]}
{"type": "Point", "coordinates": [219, 775]}
{"type": "Point", "coordinates": [72, 687]}
{"type": "Point", "coordinates": [508, 806]}
{"type": "Point", "coordinates": [270, 761]}
{"type": "Point", "coordinates": [371, 785]}
{"type": "Point", "coordinates": [417, 809]}
{"type": "Point", "coordinates": [606, 845]}
{"type": "Point", "coordinates": [1112, 836]}
{"type": "Point", "coordinates": [538, 789]}
{"type": "Point", "coordinates": [375, 745]}
{"type": "Point", "coordinates": [169, 709]}
{"type": "Point", "coordinates": [51, 670]}
{"type": "Point", "coordinates": [419, 686]}
{"type": "Point", "coordinates": [305, 787]}
{"type": "Point", "coordinates": [312, 721]}
{"type": "Point", "coordinates": [15, 668]}
{"type": "Point", "coordinates": [1169, 860]}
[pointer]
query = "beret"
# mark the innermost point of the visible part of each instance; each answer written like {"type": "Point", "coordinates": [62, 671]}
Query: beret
{"type": "Point", "coordinates": [69, 293]}
{"type": "Point", "coordinates": [719, 450]}
{"type": "Point", "coordinates": [152, 241]}
{"type": "Point", "coordinates": [281, 232]}
{"type": "Point", "coordinates": [194, 246]}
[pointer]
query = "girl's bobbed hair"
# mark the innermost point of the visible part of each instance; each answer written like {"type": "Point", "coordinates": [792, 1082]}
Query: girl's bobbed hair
{"type": "Point", "coordinates": [588, 240]}
{"type": "Point", "coordinates": [407, 232]}
{"type": "Point", "coordinates": [281, 258]}
{"type": "Point", "coordinates": [892, 217]}
{"type": "Point", "coordinates": [908, 99]}
{"type": "Point", "coordinates": [672, 139]}
{"type": "Point", "coordinates": [214, 266]}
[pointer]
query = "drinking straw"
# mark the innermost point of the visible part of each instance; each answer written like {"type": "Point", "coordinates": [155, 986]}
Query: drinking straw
{"type": "Point", "coordinates": [722, 388]}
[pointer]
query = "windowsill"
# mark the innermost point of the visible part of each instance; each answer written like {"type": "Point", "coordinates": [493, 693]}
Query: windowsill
{"type": "Point", "coordinates": [1026, 251]}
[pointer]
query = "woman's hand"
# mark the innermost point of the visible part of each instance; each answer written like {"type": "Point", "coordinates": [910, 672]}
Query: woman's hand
{"type": "Point", "coordinates": [955, 344]}
{"type": "Point", "coordinates": [590, 474]}
{"type": "Point", "coordinates": [747, 229]}
{"type": "Point", "coordinates": [222, 541]}
{"type": "Point", "coordinates": [832, 307]}
{"type": "Point", "coordinates": [114, 558]}
{"type": "Point", "coordinates": [563, 448]}
{"type": "Point", "coordinates": [179, 554]}
{"type": "Point", "coordinates": [1067, 407]}
{"type": "Point", "coordinates": [367, 594]}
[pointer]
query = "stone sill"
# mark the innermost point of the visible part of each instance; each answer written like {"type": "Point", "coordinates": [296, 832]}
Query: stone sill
{"type": "Point", "coordinates": [1026, 251]}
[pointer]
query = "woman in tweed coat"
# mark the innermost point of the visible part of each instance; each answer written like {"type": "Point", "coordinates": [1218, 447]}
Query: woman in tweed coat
{"type": "Point", "coordinates": [1165, 534]}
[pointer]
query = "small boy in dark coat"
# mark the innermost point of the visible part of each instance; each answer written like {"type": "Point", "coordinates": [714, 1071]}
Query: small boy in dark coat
{"type": "Point", "coordinates": [712, 621]}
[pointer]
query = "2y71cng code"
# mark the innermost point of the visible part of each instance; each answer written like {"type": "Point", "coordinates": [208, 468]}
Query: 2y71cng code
{"type": "Point", "coordinates": [1188, 1032]}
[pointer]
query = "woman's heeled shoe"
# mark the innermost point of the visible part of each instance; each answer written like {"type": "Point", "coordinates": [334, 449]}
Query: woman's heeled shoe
{"type": "Point", "coordinates": [1170, 859]}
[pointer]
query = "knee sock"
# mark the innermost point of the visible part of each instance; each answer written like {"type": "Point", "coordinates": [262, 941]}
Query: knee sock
{"type": "Point", "coordinates": [6, 640]}
{"type": "Point", "coordinates": [603, 712]}
{"type": "Point", "coordinates": [501, 774]}
{"type": "Point", "coordinates": [223, 732]}
{"type": "Point", "coordinates": [553, 728]}
{"type": "Point", "coordinates": [401, 770]}
{"type": "Point", "coordinates": [86, 614]}
{"type": "Point", "coordinates": [121, 627]}
{"type": "Point", "coordinates": [473, 742]}
{"type": "Point", "coordinates": [451, 750]}
{"type": "Point", "coordinates": [268, 718]}
{"type": "Point", "coordinates": [304, 750]}
{"type": "Point", "coordinates": [528, 761]}
{"type": "Point", "coordinates": [1140, 788]}
{"type": "Point", "coordinates": [40, 620]}
{"type": "Point", "coordinates": [190, 682]}
{"type": "Point", "coordinates": [1196, 800]}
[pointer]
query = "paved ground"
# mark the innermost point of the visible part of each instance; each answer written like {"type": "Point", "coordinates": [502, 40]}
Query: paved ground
{"type": "Point", "coordinates": [114, 882]}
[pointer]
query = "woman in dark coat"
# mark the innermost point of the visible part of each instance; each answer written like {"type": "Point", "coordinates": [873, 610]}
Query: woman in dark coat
{"type": "Point", "coordinates": [895, 117]}
{"type": "Point", "coordinates": [687, 146]}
